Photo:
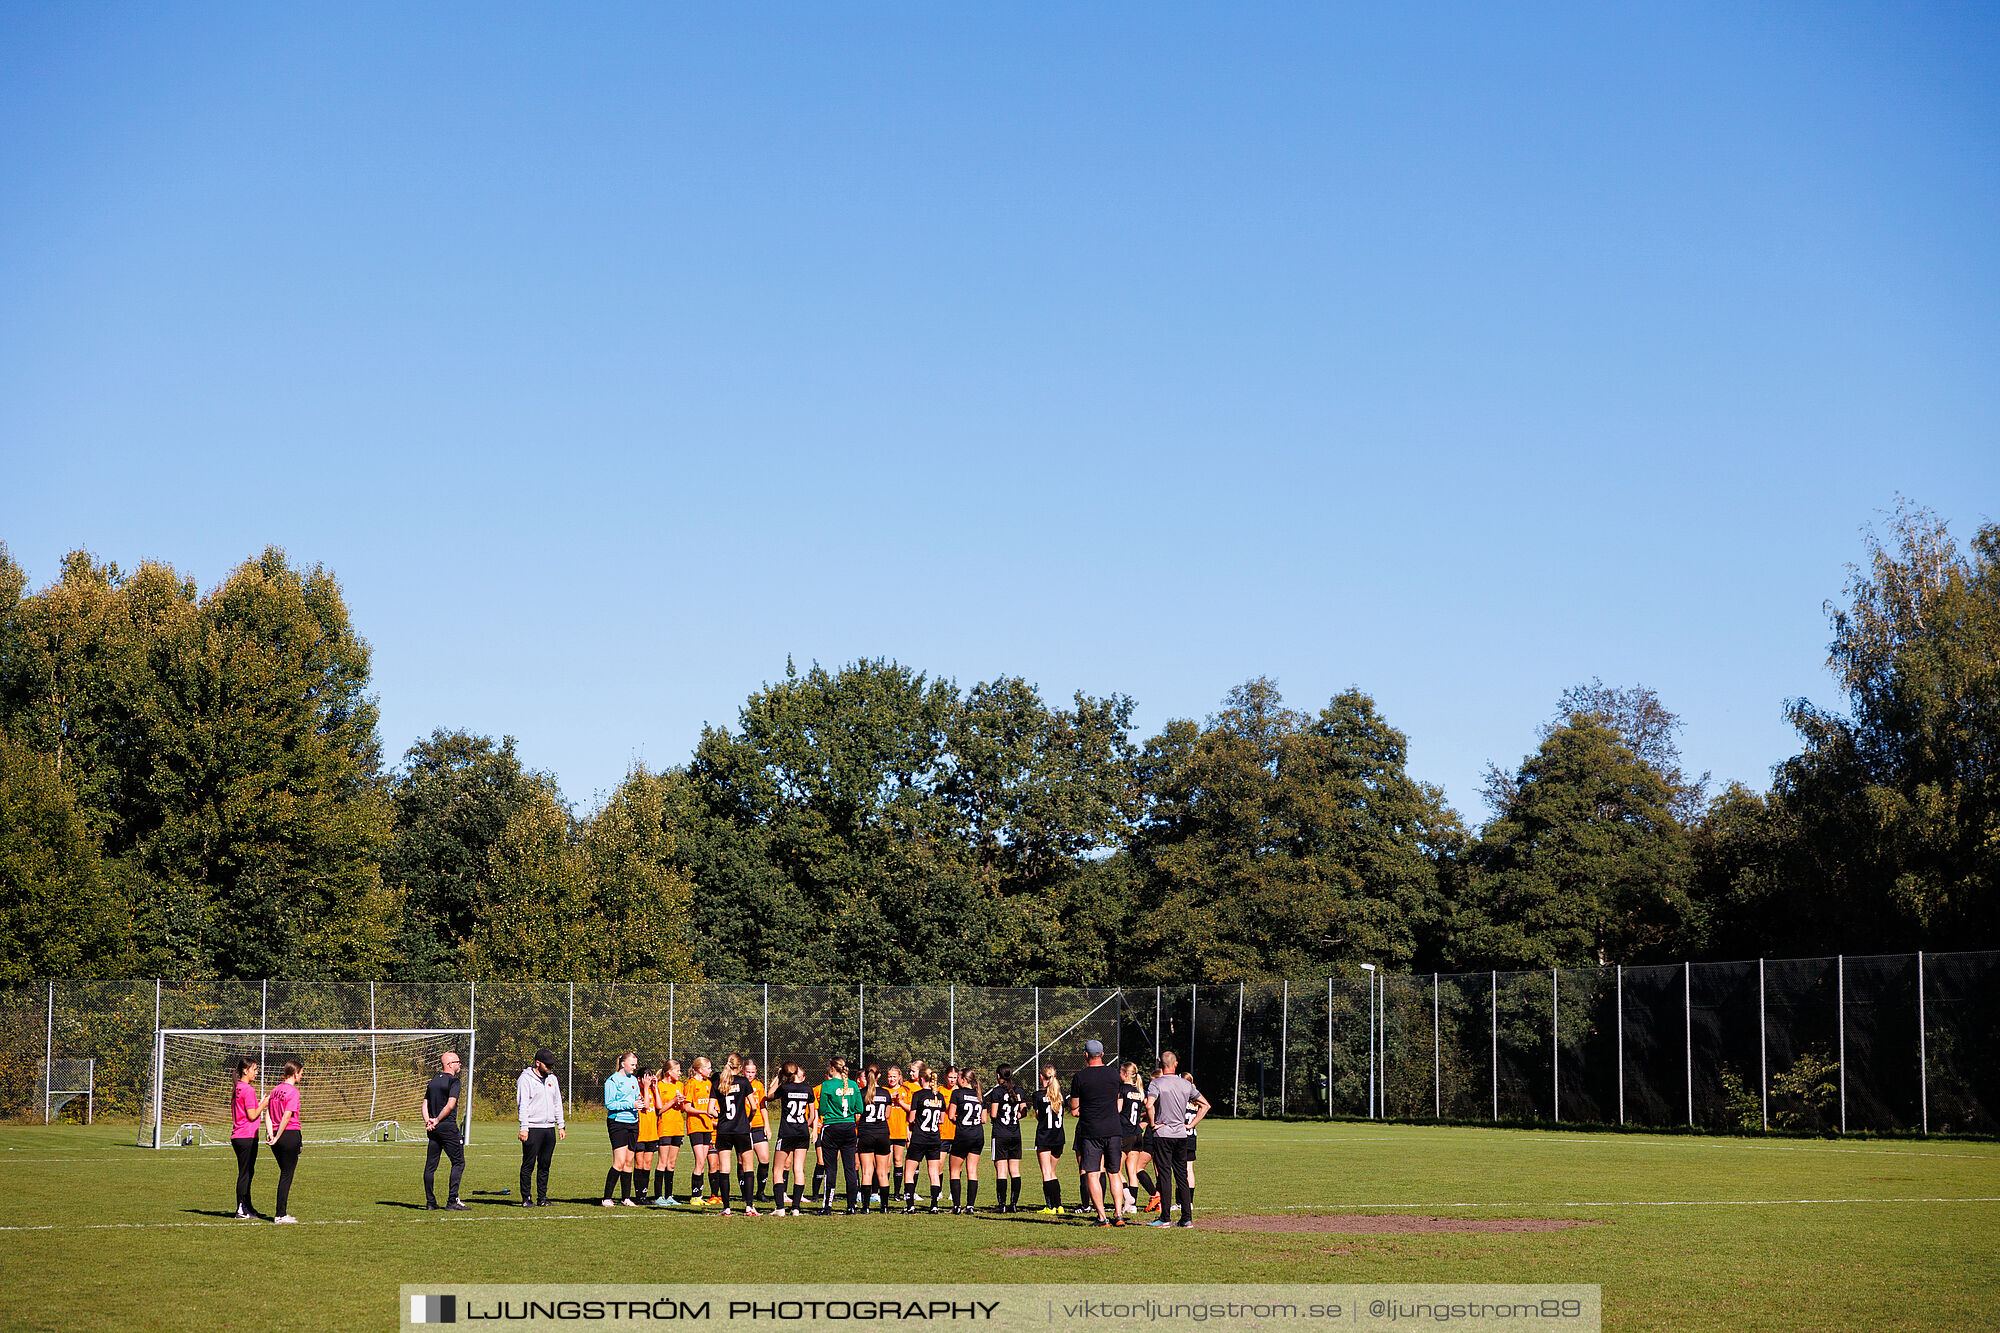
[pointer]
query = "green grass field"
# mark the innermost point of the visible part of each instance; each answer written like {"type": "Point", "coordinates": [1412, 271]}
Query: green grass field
{"type": "Point", "coordinates": [1682, 1233]}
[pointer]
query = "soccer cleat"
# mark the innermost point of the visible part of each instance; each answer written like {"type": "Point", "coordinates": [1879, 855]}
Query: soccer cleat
{"type": "Point", "coordinates": [608, 1203]}
{"type": "Point", "coordinates": [430, 1205]}
{"type": "Point", "coordinates": [243, 1215]}
{"type": "Point", "coordinates": [1118, 1222]}
{"type": "Point", "coordinates": [664, 1202]}
{"type": "Point", "coordinates": [712, 1201]}
{"type": "Point", "coordinates": [628, 1203]}
{"type": "Point", "coordinates": [750, 1210]}
{"type": "Point", "coordinates": [1184, 1222]}
{"type": "Point", "coordinates": [526, 1204]}
{"type": "Point", "coordinates": [909, 1210]}
{"type": "Point", "coordinates": [1162, 1222]}
{"type": "Point", "coordinates": [285, 1218]}
{"type": "Point", "coordinates": [1153, 1204]}
{"type": "Point", "coordinates": [729, 1212]}
{"type": "Point", "coordinates": [456, 1207]}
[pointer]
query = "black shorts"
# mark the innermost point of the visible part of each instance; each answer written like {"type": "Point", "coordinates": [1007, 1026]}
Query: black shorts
{"type": "Point", "coordinates": [902, 1142]}
{"type": "Point", "coordinates": [731, 1140]}
{"type": "Point", "coordinates": [624, 1133]}
{"type": "Point", "coordinates": [927, 1150]}
{"type": "Point", "coordinates": [1006, 1147]}
{"type": "Point", "coordinates": [649, 1145]}
{"type": "Point", "coordinates": [1190, 1148]}
{"type": "Point", "coordinates": [757, 1134]}
{"type": "Point", "coordinates": [968, 1145]}
{"type": "Point", "coordinates": [669, 1141]}
{"type": "Point", "coordinates": [794, 1140]}
{"type": "Point", "coordinates": [1098, 1154]}
{"type": "Point", "coordinates": [876, 1142]}
{"type": "Point", "coordinates": [700, 1138]}
{"type": "Point", "coordinates": [1141, 1143]}
{"type": "Point", "coordinates": [1049, 1141]}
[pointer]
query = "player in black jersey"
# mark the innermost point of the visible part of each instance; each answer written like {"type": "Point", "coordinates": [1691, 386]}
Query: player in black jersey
{"type": "Point", "coordinates": [1004, 1105]}
{"type": "Point", "coordinates": [1134, 1159]}
{"type": "Point", "coordinates": [793, 1099]}
{"type": "Point", "coordinates": [872, 1147]}
{"type": "Point", "coordinates": [732, 1135]}
{"type": "Point", "coordinates": [1048, 1104]}
{"type": "Point", "coordinates": [967, 1109]}
{"type": "Point", "coordinates": [927, 1110]}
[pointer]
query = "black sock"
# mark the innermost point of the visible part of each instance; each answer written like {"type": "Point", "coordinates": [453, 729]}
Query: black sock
{"type": "Point", "coordinates": [1051, 1194]}
{"type": "Point", "coordinates": [611, 1183]}
{"type": "Point", "coordinates": [971, 1192]}
{"type": "Point", "coordinates": [745, 1181]}
{"type": "Point", "coordinates": [624, 1184]}
{"type": "Point", "coordinates": [641, 1175]}
{"type": "Point", "coordinates": [763, 1177]}
{"type": "Point", "coordinates": [954, 1191]}
{"type": "Point", "coordinates": [798, 1194]}
{"type": "Point", "coordinates": [819, 1178]}
{"type": "Point", "coordinates": [1187, 1204]}
{"type": "Point", "coordinates": [934, 1194]}
{"type": "Point", "coordinates": [1146, 1179]}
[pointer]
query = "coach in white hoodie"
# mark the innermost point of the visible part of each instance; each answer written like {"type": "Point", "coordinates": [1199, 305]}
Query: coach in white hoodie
{"type": "Point", "coordinates": [539, 1096]}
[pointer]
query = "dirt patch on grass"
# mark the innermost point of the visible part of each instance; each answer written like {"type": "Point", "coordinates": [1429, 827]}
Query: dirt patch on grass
{"type": "Point", "coordinates": [1055, 1251]}
{"type": "Point", "coordinates": [1359, 1224]}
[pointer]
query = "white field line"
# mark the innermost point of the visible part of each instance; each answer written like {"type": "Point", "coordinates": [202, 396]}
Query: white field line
{"type": "Point", "coordinates": [1629, 1141]}
{"type": "Point", "coordinates": [1639, 1203]}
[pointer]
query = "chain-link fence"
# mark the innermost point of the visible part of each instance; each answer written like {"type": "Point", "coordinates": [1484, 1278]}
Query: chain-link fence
{"type": "Point", "coordinates": [1907, 1042]}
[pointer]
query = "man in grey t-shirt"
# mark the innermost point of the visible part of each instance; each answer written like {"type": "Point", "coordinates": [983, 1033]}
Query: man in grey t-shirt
{"type": "Point", "coordinates": [1176, 1107]}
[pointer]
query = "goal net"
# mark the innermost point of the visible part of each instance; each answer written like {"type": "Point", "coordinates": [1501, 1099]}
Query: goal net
{"type": "Point", "coordinates": [60, 1082]}
{"type": "Point", "coordinates": [359, 1085]}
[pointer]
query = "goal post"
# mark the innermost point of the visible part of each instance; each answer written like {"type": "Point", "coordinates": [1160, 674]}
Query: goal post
{"type": "Point", "coordinates": [360, 1085]}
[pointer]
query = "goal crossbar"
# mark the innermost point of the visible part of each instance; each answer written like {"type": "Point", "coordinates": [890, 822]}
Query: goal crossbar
{"type": "Point", "coordinates": [368, 1042]}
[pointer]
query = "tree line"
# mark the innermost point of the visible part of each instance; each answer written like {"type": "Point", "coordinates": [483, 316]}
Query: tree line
{"type": "Point", "coordinates": [193, 785]}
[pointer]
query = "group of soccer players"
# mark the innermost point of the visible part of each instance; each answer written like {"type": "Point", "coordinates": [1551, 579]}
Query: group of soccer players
{"type": "Point", "coordinates": [889, 1126]}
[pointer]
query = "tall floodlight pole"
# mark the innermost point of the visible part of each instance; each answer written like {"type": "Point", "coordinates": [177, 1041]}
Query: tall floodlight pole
{"type": "Point", "coordinates": [1369, 968]}
{"type": "Point", "coordinates": [1923, 1045]}
{"type": "Point", "coordinates": [1840, 1017]}
{"type": "Point", "coordinates": [1555, 1042]}
{"type": "Point", "coordinates": [49, 1055]}
{"type": "Point", "coordinates": [1236, 1091]}
{"type": "Point", "coordinates": [1284, 1039]}
{"type": "Point", "coordinates": [1496, 1046]}
{"type": "Point", "coordinates": [1763, 1056]}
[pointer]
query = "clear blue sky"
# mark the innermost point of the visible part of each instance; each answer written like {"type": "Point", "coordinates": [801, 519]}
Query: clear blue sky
{"type": "Point", "coordinates": [610, 355]}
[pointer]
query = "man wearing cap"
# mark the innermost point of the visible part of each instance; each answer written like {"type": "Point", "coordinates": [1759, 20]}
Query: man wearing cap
{"type": "Point", "coordinates": [539, 1096]}
{"type": "Point", "coordinates": [1093, 1099]}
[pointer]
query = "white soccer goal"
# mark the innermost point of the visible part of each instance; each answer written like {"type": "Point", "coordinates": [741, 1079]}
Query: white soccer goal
{"type": "Point", "coordinates": [360, 1085]}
